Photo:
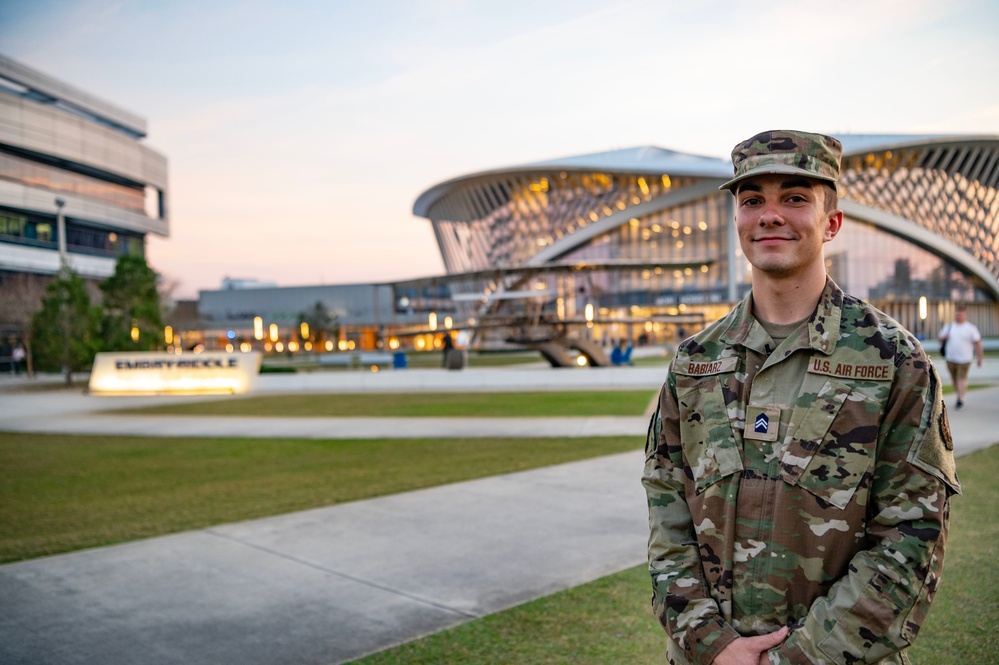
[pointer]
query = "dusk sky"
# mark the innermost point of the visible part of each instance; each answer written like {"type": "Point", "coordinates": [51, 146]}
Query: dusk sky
{"type": "Point", "coordinates": [299, 133]}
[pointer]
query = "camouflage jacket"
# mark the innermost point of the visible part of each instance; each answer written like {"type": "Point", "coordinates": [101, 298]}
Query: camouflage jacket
{"type": "Point", "coordinates": [837, 529]}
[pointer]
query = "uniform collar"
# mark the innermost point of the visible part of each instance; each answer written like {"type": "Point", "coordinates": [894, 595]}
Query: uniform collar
{"type": "Point", "coordinates": [823, 326]}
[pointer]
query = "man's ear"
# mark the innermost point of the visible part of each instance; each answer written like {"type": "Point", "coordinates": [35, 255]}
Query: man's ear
{"type": "Point", "coordinates": [834, 223]}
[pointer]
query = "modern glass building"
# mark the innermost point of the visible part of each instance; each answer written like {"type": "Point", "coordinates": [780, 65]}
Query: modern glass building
{"type": "Point", "coordinates": [64, 152]}
{"type": "Point", "coordinates": [921, 233]}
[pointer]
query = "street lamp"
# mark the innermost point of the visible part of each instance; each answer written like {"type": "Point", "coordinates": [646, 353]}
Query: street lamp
{"type": "Point", "coordinates": [61, 235]}
{"type": "Point", "coordinates": [922, 315]}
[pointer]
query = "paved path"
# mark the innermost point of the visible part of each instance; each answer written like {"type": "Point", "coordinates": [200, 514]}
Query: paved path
{"type": "Point", "coordinates": [72, 412]}
{"type": "Point", "coordinates": [329, 585]}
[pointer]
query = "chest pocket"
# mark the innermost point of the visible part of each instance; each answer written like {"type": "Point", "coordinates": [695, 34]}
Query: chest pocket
{"type": "Point", "coordinates": [832, 437]}
{"type": "Point", "coordinates": [710, 446]}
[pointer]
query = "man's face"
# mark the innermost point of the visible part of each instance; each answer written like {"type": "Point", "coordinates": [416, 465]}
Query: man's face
{"type": "Point", "coordinates": [782, 223]}
{"type": "Point", "coordinates": [960, 316]}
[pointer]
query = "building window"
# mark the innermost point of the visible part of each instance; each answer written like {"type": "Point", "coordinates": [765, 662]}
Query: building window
{"type": "Point", "coordinates": [38, 231]}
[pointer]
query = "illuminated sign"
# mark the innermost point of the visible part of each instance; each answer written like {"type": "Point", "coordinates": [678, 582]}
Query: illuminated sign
{"type": "Point", "coordinates": [154, 372]}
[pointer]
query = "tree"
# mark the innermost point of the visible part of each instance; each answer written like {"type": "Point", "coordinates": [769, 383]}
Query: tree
{"type": "Point", "coordinates": [322, 325]}
{"type": "Point", "coordinates": [66, 328]}
{"type": "Point", "coordinates": [132, 319]}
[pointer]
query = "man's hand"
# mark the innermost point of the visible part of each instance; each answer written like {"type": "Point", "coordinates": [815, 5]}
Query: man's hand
{"type": "Point", "coordinates": [750, 650]}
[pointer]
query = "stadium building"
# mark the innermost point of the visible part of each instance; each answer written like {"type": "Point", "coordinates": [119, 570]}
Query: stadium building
{"type": "Point", "coordinates": [68, 157]}
{"type": "Point", "coordinates": [921, 230]}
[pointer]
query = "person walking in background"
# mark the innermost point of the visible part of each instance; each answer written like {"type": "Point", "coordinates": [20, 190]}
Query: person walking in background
{"type": "Point", "coordinates": [799, 466]}
{"type": "Point", "coordinates": [621, 355]}
{"type": "Point", "coordinates": [447, 347]}
{"type": "Point", "coordinates": [962, 343]}
{"type": "Point", "coordinates": [18, 356]}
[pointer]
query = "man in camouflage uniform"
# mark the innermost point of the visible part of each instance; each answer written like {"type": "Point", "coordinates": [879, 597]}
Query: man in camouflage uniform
{"type": "Point", "coordinates": [799, 466]}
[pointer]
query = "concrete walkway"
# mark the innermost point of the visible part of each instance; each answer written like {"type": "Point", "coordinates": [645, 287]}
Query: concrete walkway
{"type": "Point", "coordinates": [329, 585]}
{"type": "Point", "coordinates": [73, 412]}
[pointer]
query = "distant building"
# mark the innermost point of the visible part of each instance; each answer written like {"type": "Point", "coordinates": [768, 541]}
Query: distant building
{"type": "Point", "coordinates": [361, 316]}
{"type": "Point", "coordinates": [233, 284]}
{"type": "Point", "coordinates": [62, 145]}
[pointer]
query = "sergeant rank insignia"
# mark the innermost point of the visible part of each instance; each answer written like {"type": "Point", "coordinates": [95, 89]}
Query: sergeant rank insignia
{"type": "Point", "coordinates": [762, 422]}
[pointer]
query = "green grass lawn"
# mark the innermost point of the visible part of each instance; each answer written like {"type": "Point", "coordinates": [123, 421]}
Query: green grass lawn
{"type": "Point", "coordinates": [60, 493]}
{"type": "Point", "coordinates": [961, 627]}
{"type": "Point", "coordinates": [431, 359]}
{"type": "Point", "coordinates": [434, 359]}
{"type": "Point", "coordinates": [609, 621]}
{"type": "Point", "coordinates": [414, 360]}
{"type": "Point", "coordinates": [653, 361]}
{"type": "Point", "coordinates": [431, 405]}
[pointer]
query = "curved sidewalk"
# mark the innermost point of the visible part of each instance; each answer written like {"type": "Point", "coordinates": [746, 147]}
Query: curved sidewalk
{"type": "Point", "coordinates": [330, 585]}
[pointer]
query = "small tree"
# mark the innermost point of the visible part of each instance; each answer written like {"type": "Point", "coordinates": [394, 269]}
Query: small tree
{"type": "Point", "coordinates": [65, 329]}
{"type": "Point", "coordinates": [321, 324]}
{"type": "Point", "coordinates": [131, 303]}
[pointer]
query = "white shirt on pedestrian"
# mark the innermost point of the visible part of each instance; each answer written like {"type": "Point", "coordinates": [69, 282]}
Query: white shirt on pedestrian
{"type": "Point", "coordinates": [961, 339]}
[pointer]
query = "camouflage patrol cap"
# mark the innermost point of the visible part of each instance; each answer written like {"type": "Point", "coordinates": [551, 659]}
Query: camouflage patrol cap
{"type": "Point", "coordinates": [786, 151]}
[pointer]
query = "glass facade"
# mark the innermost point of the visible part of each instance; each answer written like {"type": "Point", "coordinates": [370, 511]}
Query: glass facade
{"type": "Point", "coordinates": [694, 233]}
{"type": "Point", "coordinates": [506, 221]}
{"type": "Point", "coordinates": [948, 189]}
{"type": "Point", "coordinates": [878, 266]}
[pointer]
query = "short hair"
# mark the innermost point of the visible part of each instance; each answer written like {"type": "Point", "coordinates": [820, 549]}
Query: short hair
{"type": "Point", "coordinates": [831, 197]}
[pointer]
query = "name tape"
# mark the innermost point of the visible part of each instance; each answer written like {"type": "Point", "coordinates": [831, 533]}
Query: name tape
{"type": "Point", "coordinates": [871, 372]}
{"type": "Point", "coordinates": [692, 368]}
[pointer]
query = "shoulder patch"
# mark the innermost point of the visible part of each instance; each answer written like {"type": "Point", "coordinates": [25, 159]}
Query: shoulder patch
{"type": "Point", "coordinates": [944, 424]}
{"type": "Point", "coordinates": [934, 454]}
